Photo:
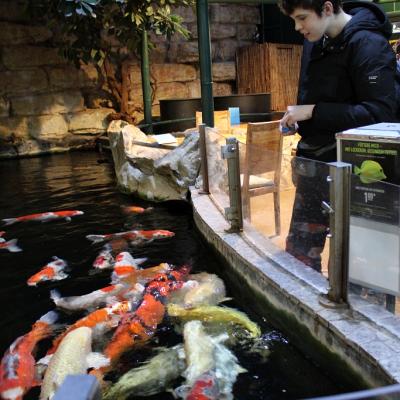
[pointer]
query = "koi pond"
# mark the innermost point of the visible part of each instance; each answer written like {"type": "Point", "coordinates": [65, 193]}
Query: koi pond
{"type": "Point", "coordinates": [85, 181]}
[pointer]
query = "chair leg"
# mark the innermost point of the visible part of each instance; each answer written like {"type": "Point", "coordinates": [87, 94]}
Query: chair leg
{"type": "Point", "coordinates": [277, 212]}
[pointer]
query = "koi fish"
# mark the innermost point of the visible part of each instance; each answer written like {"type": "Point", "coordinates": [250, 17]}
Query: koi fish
{"type": "Point", "coordinates": [2, 233]}
{"type": "Point", "coordinates": [133, 236]}
{"type": "Point", "coordinates": [135, 209]}
{"type": "Point", "coordinates": [104, 260]}
{"type": "Point", "coordinates": [140, 326]}
{"type": "Point", "coordinates": [218, 314]}
{"type": "Point", "coordinates": [74, 356]}
{"type": "Point", "coordinates": [53, 271]}
{"type": "Point", "coordinates": [17, 368]}
{"type": "Point", "coordinates": [102, 316]}
{"type": "Point", "coordinates": [211, 367]}
{"type": "Point", "coordinates": [125, 265]}
{"type": "Point", "coordinates": [150, 378]}
{"type": "Point", "coordinates": [142, 276]}
{"type": "Point", "coordinates": [43, 217]}
{"type": "Point", "coordinates": [87, 301]}
{"type": "Point", "coordinates": [11, 245]}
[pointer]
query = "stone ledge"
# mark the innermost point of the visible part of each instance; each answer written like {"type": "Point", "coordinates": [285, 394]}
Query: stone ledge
{"type": "Point", "coordinates": [347, 342]}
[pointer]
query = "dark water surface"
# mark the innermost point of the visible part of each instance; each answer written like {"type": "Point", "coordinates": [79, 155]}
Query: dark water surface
{"type": "Point", "coordinates": [78, 181]}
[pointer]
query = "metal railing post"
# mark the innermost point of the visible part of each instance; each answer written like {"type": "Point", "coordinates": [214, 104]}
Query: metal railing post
{"type": "Point", "coordinates": [203, 158]}
{"type": "Point", "coordinates": [339, 223]}
{"type": "Point", "coordinates": [233, 214]}
{"type": "Point", "coordinates": [146, 86]}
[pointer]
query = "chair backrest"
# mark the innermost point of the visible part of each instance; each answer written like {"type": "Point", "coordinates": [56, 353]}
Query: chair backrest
{"type": "Point", "coordinates": [222, 120]}
{"type": "Point", "coordinates": [263, 148]}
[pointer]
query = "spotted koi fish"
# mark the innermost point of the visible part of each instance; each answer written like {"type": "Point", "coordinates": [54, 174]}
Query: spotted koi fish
{"type": "Point", "coordinates": [11, 245]}
{"type": "Point", "coordinates": [43, 217]}
{"type": "Point", "coordinates": [133, 236]}
{"type": "Point", "coordinates": [53, 271]}
{"type": "Point", "coordinates": [17, 368]}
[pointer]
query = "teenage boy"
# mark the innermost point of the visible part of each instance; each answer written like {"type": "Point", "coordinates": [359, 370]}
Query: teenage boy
{"type": "Point", "coordinates": [346, 80]}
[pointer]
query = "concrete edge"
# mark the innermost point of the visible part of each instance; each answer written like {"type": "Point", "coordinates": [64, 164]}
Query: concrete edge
{"type": "Point", "coordinates": [364, 338]}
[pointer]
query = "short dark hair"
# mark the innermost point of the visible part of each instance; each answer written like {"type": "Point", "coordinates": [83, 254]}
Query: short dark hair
{"type": "Point", "coordinates": [288, 6]}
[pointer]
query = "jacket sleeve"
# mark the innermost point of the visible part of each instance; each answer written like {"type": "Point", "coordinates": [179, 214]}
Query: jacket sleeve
{"type": "Point", "coordinates": [372, 72]}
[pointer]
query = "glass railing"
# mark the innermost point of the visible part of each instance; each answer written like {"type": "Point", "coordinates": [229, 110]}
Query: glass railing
{"type": "Point", "coordinates": [281, 198]}
{"type": "Point", "coordinates": [374, 251]}
{"type": "Point", "coordinates": [217, 169]}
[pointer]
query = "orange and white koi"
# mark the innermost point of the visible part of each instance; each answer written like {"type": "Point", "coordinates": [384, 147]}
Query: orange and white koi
{"type": "Point", "coordinates": [53, 271]}
{"type": "Point", "coordinates": [108, 316]}
{"type": "Point", "coordinates": [125, 265]}
{"type": "Point", "coordinates": [43, 217]}
{"type": "Point", "coordinates": [140, 326]}
{"type": "Point", "coordinates": [11, 245]}
{"type": "Point", "coordinates": [87, 301]}
{"type": "Point", "coordinates": [135, 209]}
{"type": "Point", "coordinates": [17, 368]}
{"type": "Point", "coordinates": [133, 236]}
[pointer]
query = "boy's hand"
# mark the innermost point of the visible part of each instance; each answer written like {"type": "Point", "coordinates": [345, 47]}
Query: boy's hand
{"type": "Point", "coordinates": [295, 114]}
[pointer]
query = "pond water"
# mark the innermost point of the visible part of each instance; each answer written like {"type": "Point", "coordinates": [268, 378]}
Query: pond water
{"type": "Point", "coordinates": [85, 181]}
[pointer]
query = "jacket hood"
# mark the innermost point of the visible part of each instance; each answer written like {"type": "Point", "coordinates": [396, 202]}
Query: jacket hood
{"type": "Point", "coordinates": [366, 16]}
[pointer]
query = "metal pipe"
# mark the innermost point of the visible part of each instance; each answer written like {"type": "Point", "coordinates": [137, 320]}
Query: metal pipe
{"type": "Point", "coordinates": [146, 87]}
{"type": "Point", "coordinates": [203, 28]}
{"type": "Point", "coordinates": [203, 158]}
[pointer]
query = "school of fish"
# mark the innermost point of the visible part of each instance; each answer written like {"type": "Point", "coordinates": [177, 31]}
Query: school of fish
{"type": "Point", "coordinates": [120, 317]}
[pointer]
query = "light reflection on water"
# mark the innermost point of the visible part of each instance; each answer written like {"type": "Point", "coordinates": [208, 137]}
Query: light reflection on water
{"type": "Point", "coordinates": [79, 181]}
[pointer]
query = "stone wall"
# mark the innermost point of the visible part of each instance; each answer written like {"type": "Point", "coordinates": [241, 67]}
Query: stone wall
{"type": "Point", "coordinates": [175, 69]}
{"type": "Point", "coordinates": [49, 105]}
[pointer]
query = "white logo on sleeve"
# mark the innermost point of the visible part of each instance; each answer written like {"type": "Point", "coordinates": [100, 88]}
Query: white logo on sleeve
{"type": "Point", "coordinates": [372, 79]}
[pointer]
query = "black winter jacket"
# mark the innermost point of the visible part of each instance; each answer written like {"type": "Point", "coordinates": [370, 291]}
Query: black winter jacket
{"type": "Point", "coordinates": [349, 78]}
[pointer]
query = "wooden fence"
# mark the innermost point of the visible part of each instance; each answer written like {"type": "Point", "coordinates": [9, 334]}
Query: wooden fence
{"type": "Point", "coordinates": [270, 67]}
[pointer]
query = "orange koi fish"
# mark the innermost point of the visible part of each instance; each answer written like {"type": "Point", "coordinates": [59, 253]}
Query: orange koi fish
{"type": "Point", "coordinates": [133, 236]}
{"type": "Point", "coordinates": [53, 271]}
{"type": "Point", "coordinates": [11, 245]}
{"type": "Point", "coordinates": [140, 326]}
{"type": "Point", "coordinates": [17, 368]}
{"type": "Point", "coordinates": [102, 316]}
{"type": "Point", "coordinates": [87, 301]}
{"type": "Point", "coordinates": [143, 276]}
{"type": "Point", "coordinates": [43, 217]}
{"type": "Point", "coordinates": [135, 209]}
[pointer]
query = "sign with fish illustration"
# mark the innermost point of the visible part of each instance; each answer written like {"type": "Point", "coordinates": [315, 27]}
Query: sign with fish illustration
{"type": "Point", "coordinates": [376, 165]}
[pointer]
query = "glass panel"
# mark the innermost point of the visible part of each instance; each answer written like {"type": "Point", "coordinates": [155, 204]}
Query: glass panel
{"type": "Point", "coordinates": [217, 168]}
{"type": "Point", "coordinates": [374, 254]}
{"type": "Point", "coordinates": [285, 204]}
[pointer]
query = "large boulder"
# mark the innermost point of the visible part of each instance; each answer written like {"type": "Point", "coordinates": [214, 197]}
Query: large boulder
{"type": "Point", "coordinates": [149, 172]}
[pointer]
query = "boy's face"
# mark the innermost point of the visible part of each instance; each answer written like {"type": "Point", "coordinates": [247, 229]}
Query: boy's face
{"type": "Point", "coordinates": [309, 23]}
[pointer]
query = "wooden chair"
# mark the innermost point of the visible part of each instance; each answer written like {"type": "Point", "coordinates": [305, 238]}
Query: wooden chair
{"type": "Point", "coordinates": [263, 157]}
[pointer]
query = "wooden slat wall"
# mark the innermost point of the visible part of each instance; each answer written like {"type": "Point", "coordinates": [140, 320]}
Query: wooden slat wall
{"type": "Point", "coordinates": [270, 67]}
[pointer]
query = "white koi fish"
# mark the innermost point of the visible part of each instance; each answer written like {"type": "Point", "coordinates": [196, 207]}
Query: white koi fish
{"type": "Point", "coordinates": [87, 301]}
{"type": "Point", "coordinates": [73, 356]}
{"type": "Point", "coordinates": [104, 260]}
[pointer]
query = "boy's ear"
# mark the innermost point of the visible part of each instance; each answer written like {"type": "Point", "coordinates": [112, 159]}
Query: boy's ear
{"type": "Point", "coordinates": [328, 8]}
